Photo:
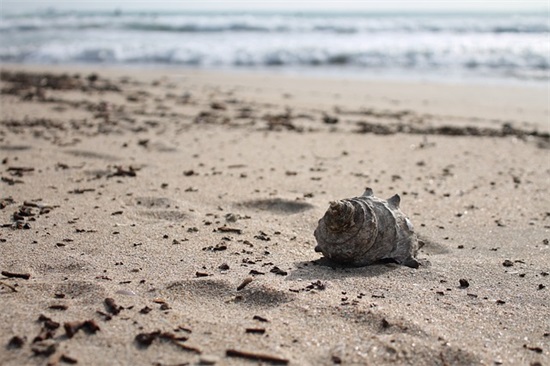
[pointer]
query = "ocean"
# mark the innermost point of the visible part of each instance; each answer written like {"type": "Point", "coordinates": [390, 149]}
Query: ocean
{"type": "Point", "coordinates": [453, 46]}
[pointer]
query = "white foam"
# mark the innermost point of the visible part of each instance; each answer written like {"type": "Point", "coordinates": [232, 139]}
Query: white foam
{"type": "Point", "coordinates": [498, 45]}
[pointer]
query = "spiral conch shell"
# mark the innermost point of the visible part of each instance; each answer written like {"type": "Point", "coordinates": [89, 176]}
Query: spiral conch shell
{"type": "Point", "coordinates": [364, 230]}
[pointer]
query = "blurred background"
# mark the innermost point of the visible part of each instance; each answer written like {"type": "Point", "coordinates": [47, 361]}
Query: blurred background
{"type": "Point", "coordinates": [499, 41]}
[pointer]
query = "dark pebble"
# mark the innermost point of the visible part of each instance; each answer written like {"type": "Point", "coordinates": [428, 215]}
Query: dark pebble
{"type": "Point", "coordinates": [16, 342]}
{"type": "Point", "coordinates": [507, 263]}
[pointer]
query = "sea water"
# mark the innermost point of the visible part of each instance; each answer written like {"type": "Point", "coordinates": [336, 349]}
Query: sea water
{"type": "Point", "coordinates": [497, 46]}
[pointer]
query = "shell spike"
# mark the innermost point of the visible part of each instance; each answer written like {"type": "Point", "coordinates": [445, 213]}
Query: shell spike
{"type": "Point", "coordinates": [394, 201]}
{"type": "Point", "coordinates": [368, 192]}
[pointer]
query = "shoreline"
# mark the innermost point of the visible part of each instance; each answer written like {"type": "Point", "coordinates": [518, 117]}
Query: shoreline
{"type": "Point", "coordinates": [319, 73]}
{"type": "Point", "coordinates": [154, 217]}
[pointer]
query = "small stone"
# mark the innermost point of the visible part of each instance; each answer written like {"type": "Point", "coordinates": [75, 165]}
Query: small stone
{"type": "Point", "coordinates": [507, 263]}
{"type": "Point", "coordinates": [208, 360]}
{"type": "Point", "coordinates": [278, 271]}
{"type": "Point", "coordinates": [231, 217]}
{"type": "Point", "coordinates": [189, 173]}
{"type": "Point", "coordinates": [464, 283]}
{"type": "Point", "coordinates": [16, 342]}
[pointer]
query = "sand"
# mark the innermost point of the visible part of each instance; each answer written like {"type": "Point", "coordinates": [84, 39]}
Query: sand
{"type": "Point", "coordinates": [166, 217]}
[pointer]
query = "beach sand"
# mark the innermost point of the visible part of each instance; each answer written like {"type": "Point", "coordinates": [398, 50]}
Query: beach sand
{"type": "Point", "coordinates": [166, 217]}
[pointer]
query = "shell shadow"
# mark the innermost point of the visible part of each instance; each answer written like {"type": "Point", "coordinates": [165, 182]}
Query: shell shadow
{"type": "Point", "coordinates": [431, 247]}
{"type": "Point", "coordinates": [278, 205]}
{"type": "Point", "coordinates": [324, 268]}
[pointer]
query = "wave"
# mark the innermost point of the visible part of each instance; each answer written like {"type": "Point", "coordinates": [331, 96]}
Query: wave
{"type": "Point", "coordinates": [494, 61]}
{"type": "Point", "coordinates": [500, 45]}
{"type": "Point", "coordinates": [278, 23]}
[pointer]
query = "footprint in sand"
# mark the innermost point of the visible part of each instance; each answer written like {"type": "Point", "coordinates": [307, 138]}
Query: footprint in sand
{"type": "Point", "coordinates": [220, 290]}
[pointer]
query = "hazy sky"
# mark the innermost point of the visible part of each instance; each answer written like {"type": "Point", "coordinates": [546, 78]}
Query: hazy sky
{"type": "Point", "coordinates": [10, 6]}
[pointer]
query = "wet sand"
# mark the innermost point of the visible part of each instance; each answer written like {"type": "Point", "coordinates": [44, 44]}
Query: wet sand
{"type": "Point", "coordinates": [164, 217]}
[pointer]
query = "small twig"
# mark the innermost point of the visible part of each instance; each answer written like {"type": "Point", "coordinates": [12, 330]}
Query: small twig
{"type": "Point", "coordinates": [8, 286]}
{"type": "Point", "coordinates": [257, 357]}
{"type": "Point", "coordinates": [186, 347]}
{"type": "Point", "coordinates": [245, 282]}
{"type": "Point", "coordinates": [227, 229]}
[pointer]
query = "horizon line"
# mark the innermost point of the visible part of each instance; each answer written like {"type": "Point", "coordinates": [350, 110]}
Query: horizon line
{"type": "Point", "coordinates": [54, 10]}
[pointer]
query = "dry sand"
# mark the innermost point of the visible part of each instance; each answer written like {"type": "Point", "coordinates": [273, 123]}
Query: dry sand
{"type": "Point", "coordinates": [167, 191]}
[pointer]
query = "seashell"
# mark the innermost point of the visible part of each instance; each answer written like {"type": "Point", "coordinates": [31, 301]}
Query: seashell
{"type": "Point", "coordinates": [364, 230]}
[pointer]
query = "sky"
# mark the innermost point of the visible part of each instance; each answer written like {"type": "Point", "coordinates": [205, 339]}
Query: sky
{"type": "Point", "coordinates": [11, 6]}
